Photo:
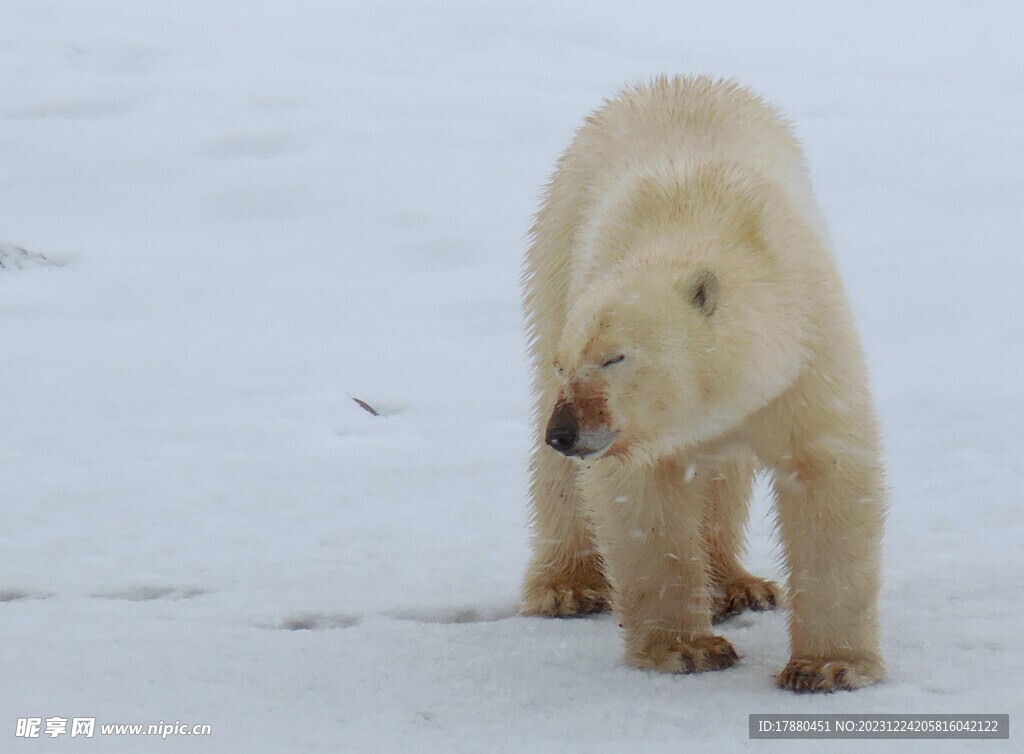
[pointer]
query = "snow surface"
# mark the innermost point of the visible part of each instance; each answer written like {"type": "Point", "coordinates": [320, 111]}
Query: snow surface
{"type": "Point", "coordinates": [266, 210]}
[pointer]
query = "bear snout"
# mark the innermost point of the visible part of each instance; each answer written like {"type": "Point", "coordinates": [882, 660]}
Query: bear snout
{"type": "Point", "coordinates": [570, 432]}
{"type": "Point", "coordinates": [563, 430]}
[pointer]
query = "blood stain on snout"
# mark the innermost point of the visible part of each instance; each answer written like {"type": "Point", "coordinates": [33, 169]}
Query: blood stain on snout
{"type": "Point", "coordinates": [591, 406]}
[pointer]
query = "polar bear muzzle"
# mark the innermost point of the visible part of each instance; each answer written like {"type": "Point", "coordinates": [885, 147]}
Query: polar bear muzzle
{"type": "Point", "coordinates": [571, 434]}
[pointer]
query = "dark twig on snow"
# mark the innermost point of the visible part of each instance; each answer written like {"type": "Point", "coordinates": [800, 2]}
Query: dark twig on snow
{"type": "Point", "coordinates": [366, 407]}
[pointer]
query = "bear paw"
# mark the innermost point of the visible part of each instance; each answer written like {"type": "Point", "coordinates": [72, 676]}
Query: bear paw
{"type": "Point", "coordinates": [746, 594]}
{"type": "Point", "coordinates": [695, 655]}
{"type": "Point", "coordinates": [560, 598]}
{"type": "Point", "coordinates": [823, 675]}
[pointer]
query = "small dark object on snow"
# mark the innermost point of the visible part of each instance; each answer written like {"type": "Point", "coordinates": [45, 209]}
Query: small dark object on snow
{"type": "Point", "coordinates": [366, 407]}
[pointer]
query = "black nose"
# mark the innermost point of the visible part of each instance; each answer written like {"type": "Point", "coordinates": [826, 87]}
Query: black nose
{"type": "Point", "coordinates": [563, 429]}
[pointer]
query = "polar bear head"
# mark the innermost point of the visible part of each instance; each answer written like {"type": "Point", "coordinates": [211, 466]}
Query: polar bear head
{"type": "Point", "coordinates": [678, 344]}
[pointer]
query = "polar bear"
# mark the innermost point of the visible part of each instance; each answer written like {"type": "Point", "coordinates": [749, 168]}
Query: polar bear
{"type": "Point", "coordinates": [687, 326]}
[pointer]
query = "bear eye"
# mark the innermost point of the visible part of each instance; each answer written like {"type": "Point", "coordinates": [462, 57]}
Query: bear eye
{"type": "Point", "coordinates": [616, 360]}
{"type": "Point", "coordinates": [704, 293]}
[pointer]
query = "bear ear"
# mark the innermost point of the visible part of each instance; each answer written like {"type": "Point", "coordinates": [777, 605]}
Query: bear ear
{"type": "Point", "coordinates": [702, 291]}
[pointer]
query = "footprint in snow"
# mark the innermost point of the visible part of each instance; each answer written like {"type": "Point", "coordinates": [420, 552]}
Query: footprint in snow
{"type": "Point", "coordinates": [83, 109]}
{"type": "Point", "coordinates": [317, 621]}
{"type": "Point", "coordinates": [115, 57]}
{"type": "Point", "coordinates": [150, 593]}
{"type": "Point", "coordinates": [244, 146]}
{"type": "Point", "coordinates": [451, 615]}
{"type": "Point", "coordinates": [16, 595]}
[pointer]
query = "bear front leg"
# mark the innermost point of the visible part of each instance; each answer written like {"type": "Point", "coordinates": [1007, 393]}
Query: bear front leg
{"type": "Point", "coordinates": [831, 510]}
{"type": "Point", "coordinates": [566, 574]}
{"type": "Point", "coordinates": [649, 527]}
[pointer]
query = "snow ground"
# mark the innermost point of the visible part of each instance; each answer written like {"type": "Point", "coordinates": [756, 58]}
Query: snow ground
{"type": "Point", "coordinates": [266, 209]}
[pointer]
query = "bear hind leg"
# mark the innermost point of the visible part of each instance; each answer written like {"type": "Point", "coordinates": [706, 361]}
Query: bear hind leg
{"type": "Point", "coordinates": [727, 494]}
